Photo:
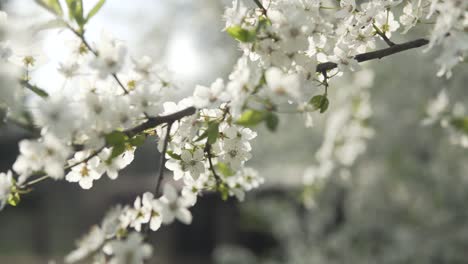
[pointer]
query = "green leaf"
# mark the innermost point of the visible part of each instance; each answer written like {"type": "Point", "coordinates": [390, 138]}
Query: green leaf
{"type": "Point", "coordinates": [137, 140]}
{"type": "Point", "coordinates": [173, 155]}
{"type": "Point", "coordinates": [212, 132]}
{"type": "Point", "coordinates": [116, 138]}
{"type": "Point", "coordinates": [263, 23]}
{"type": "Point", "coordinates": [320, 102]}
{"type": "Point", "coordinates": [224, 191]}
{"type": "Point", "coordinates": [51, 5]}
{"type": "Point", "coordinates": [95, 9]}
{"type": "Point", "coordinates": [272, 121]}
{"type": "Point", "coordinates": [251, 118]}
{"type": "Point", "coordinates": [202, 136]}
{"type": "Point", "coordinates": [460, 123]}
{"type": "Point", "coordinates": [36, 90]}
{"type": "Point", "coordinates": [117, 150]}
{"type": "Point", "coordinates": [243, 35]}
{"type": "Point", "coordinates": [225, 169]}
{"type": "Point", "coordinates": [75, 11]}
{"type": "Point", "coordinates": [51, 24]}
{"type": "Point", "coordinates": [14, 199]}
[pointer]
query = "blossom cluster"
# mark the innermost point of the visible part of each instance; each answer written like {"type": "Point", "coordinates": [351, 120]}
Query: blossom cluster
{"type": "Point", "coordinates": [118, 237]}
{"type": "Point", "coordinates": [453, 120]}
{"type": "Point", "coordinates": [346, 134]}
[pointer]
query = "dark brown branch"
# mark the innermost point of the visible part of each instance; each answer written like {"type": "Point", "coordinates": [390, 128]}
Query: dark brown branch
{"type": "Point", "coordinates": [259, 4]}
{"type": "Point", "coordinates": [378, 54]}
{"type": "Point", "coordinates": [162, 162]}
{"type": "Point", "coordinates": [155, 121]}
{"type": "Point", "coordinates": [210, 161]}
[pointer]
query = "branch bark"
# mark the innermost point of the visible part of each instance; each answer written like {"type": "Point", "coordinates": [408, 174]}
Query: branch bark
{"type": "Point", "coordinates": [378, 54]}
{"type": "Point", "coordinates": [162, 162]}
{"type": "Point", "coordinates": [155, 121]}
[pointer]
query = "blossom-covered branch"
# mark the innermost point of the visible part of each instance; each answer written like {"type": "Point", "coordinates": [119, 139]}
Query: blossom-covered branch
{"type": "Point", "coordinates": [153, 122]}
{"type": "Point", "coordinates": [378, 54]}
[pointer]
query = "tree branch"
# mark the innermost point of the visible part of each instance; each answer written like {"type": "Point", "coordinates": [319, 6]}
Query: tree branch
{"type": "Point", "coordinates": [155, 121]}
{"type": "Point", "coordinates": [259, 4]}
{"type": "Point", "coordinates": [210, 161]}
{"type": "Point", "coordinates": [150, 123]}
{"type": "Point", "coordinates": [378, 54]}
{"type": "Point", "coordinates": [163, 158]}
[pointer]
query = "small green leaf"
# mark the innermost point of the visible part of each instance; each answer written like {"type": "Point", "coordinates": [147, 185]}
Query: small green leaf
{"type": "Point", "coordinates": [51, 5]}
{"type": "Point", "coordinates": [213, 132]}
{"type": "Point", "coordinates": [117, 150]}
{"type": "Point", "coordinates": [225, 169]}
{"type": "Point", "coordinates": [460, 123]}
{"type": "Point", "coordinates": [251, 118]}
{"type": "Point", "coordinates": [95, 9]}
{"type": "Point", "coordinates": [202, 136]}
{"type": "Point", "coordinates": [36, 90]}
{"type": "Point", "coordinates": [320, 102]}
{"type": "Point", "coordinates": [14, 199]}
{"type": "Point", "coordinates": [262, 23]}
{"type": "Point", "coordinates": [272, 121]}
{"type": "Point", "coordinates": [116, 138]}
{"type": "Point", "coordinates": [324, 106]}
{"type": "Point", "coordinates": [75, 11]}
{"type": "Point", "coordinates": [173, 155]}
{"type": "Point", "coordinates": [51, 24]}
{"type": "Point", "coordinates": [224, 191]}
{"type": "Point", "coordinates": [137, 140]}
{"type": "Point", "coordinates": [243, 35]}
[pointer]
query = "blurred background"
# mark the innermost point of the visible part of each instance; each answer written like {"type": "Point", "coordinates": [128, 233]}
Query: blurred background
{"type": "Point", "coordinates": [407, 203]}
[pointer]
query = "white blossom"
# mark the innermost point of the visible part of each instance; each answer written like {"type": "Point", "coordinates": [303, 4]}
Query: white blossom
{"type": "Point", "coordinates": [175, 206]}
{"type": "Point", "coordinates": [131, 250]}
{"type": "Point", "coordinates": [85, 172]}
{"type": "Point", "coordinates": [87, 245]}
{"type": "Point", "coordinates": [111, 56]}
{"type": "Point", "coordinates": [211, 96]}
{"type": "Point", "coordinates": [6, 183]}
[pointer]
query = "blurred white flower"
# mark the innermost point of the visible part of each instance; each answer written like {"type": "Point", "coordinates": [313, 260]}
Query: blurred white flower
{"type": "Point", "coordinates": [111, 56]}
{"type": "Point", "coordinates": [131, 250]}
{"type": "Point", "coordinates": [6, 182]}
{"type": "Point", "coordinates": [211, 96]}
{"type": "Point", "coordinates": [175, 206]}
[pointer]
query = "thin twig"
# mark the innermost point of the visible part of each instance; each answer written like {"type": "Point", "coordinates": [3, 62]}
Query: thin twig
{"type": "Point", "coordinates": [162, 162]}
{"type": "Point", "coordinates": [383, 36]}
{"type": "Point", "coordinates": [42, 176]}
{"type": "Point", "coordinates": [259, 4]}
{"type": "Point", "coordinates": [378, 54]}
{"type": "Point", "coordinates": [86, 43]}
{"type": "Point", "coordinates": [210, 161]}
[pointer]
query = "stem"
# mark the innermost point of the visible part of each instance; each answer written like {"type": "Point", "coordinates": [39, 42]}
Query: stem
{"type": "Point", "coordinates": [259, 4]}
{"type": "Point", "coordinates": [163, 158]}
{"type": "Point", "coordinates": [210, 161]}
{"type": "Point", "coordinates": [86, 43]}
{"type": "Point", "coordinates": [383, 36]}
{"type": "Point", "coordinates": [155, 121]}
{"type": "Point", "coordinates": [378, 54]}
{"type": "Point", "coordinates": [42, 178]}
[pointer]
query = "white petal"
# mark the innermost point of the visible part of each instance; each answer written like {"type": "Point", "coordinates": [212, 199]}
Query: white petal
{"type": "Point", "coordinates": [184, 215]}
{"type": "Point", "coordinates": [170, 193]}
{"type": "Point", "coordinates": [86, 183]}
